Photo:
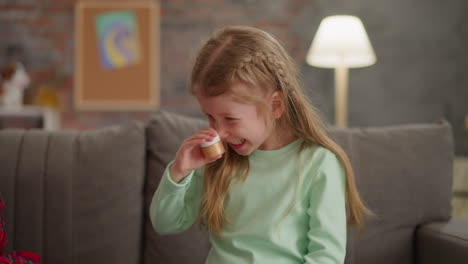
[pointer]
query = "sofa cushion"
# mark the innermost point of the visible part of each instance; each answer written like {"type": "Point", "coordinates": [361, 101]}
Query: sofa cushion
{"type": "Point", "coordinates": [75, 196]}
{"type": "Point", "coordinates": [165, 133]}
{"type": "Point", "coordinates": [404, 174]}
{"type": "Point", "coordinates": [108, 195]}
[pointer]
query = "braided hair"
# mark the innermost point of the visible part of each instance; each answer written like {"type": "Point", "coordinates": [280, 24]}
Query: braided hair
{"type": "Point", "coordinates": [256, 59]}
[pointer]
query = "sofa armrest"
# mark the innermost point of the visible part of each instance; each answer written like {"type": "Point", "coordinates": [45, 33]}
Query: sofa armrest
{"type": "Point", "coordinates": [442, 242]}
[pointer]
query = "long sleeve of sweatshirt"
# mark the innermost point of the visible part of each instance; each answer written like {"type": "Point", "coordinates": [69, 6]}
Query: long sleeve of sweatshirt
{"type": "Point", "coordinates": [327, 224]}
{"type": "Point", "coordinates": [175, 206]}
{"type": "Point", "coordinates": [290, 209]}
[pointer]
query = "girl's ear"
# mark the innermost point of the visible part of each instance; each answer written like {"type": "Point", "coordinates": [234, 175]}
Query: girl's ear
{"type": "Point", "coordinates": [277, 104]}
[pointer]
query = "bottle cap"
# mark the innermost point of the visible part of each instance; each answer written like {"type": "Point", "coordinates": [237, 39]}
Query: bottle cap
{"type": "Point", "coordinates": [209, 143]}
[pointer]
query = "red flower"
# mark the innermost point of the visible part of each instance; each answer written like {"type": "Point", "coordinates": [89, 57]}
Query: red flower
{"type": "Point", "coordinates": [15, 257]}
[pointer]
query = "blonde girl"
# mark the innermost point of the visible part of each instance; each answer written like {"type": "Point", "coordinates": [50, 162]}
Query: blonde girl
{"type": "Point", "coordinates": [284, 191]}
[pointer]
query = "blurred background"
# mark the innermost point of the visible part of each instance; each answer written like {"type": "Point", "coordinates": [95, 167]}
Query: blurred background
{"type": "Point", "coordinates": [420, 74]}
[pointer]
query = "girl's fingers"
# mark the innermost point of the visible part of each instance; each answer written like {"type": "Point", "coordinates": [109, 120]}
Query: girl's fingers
{"type": "Point", "coordinates": [209, 131]}
{"type": "Point", "coordinates": [190, 143]}
{"type": "Point", "coordinates": [199, 140]}
{"type": "Point", "coordinates": [187, 156]}
{"type": "Point", "coordinates": [207, 137]}
{"type": "Point", "coordinates": [204, 135]}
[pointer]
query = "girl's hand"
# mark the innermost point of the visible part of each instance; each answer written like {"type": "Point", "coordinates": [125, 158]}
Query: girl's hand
{"type": "Point", "coordinates": [190, 156]}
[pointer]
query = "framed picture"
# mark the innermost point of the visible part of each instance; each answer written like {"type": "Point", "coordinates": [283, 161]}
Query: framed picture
{"type": "Point", "coordinates": [116, 55]}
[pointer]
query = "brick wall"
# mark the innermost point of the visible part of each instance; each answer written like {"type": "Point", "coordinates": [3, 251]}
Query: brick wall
{"type": "Point", "coordinates": [420, 74]}
{"type": "Point", "coordinates": [44, 29]}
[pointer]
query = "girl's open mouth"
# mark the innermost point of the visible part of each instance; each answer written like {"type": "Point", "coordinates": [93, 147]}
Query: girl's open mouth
{"type": "Point", "coordinates": [236, 146]}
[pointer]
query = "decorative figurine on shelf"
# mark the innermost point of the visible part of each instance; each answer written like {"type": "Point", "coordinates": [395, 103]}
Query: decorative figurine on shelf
{"type": "Point", "coordinates": [14, 81]}
{"type": "Point", "coordinates": [47, 96]}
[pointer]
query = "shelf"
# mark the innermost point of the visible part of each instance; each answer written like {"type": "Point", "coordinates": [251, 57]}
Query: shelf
{"type": "Point", "coordinates": [50, 118]}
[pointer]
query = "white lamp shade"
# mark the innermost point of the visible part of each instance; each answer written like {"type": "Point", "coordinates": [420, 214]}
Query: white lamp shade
{"type": "Point", "coordinates": [341, 41]}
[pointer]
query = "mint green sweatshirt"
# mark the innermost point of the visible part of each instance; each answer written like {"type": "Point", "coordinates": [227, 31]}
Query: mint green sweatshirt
{"type": "Point", "coordinates": [278, 215]}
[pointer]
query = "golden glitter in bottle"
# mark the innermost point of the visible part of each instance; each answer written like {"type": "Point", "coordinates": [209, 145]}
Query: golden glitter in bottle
{"type": "Point", "coordinates": [212, 149]}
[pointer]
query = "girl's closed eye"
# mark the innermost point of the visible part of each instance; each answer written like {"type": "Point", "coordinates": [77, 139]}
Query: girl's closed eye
{"type": "Point", "coordinates": [228, 118]}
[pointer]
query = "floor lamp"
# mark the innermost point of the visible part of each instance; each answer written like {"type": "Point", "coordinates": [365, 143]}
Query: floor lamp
{"type": "Point", "coordinates": [341, 42]}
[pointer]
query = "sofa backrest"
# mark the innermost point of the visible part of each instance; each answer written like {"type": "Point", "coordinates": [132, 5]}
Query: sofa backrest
{"type": "Point", "coordinates": [77, 197]}
{"type": "Point", "coordinates": [403, 173]}
{"type": "Point", "coordinates": [74, 197]}
{"type": "Point", "coordinates": [165, 132]}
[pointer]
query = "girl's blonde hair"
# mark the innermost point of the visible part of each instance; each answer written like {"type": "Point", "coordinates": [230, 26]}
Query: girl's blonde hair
{"type": "Point", "coordinates": [254, 58]}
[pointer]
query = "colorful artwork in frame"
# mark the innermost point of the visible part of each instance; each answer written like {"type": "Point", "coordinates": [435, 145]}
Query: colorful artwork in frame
{"type": "Point", "coordinates": [116, 55]}
{"type": "Point", "coordinates": [118, 39]}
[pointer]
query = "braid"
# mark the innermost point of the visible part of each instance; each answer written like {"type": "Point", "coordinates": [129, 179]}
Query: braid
{"type": "Point", "coordinates": [252, 56]}
{"type": "Point", "coordinates": [268, 64]}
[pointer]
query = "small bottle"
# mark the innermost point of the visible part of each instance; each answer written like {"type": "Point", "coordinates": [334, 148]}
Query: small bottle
{"type": "Point", "coordinates": [212, 149]}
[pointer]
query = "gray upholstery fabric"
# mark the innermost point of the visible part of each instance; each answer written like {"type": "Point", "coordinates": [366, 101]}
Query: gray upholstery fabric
{"type": "Point", "coordinates": [108, 195]}
{"type": "Point", "coordinates": [82, 197]}
{"type": "Point", "coordinates": [450, 237]}
{"type": "Point", "coordinates": [165, 133]}
{"type": "Point", "coordinates": [58, 217]}
{"type": "Point", "coordinates": [398, 170]}
{"type": "Point", "coordinates": [10, 142]}
{"type": "Point", "coordinates": [75, 197]}
{"type": "Point", "coordinates": [404, 174]}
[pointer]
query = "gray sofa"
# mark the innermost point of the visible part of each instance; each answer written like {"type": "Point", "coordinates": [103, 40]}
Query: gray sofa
{"type": "Point", "coordinates": [82, 197]}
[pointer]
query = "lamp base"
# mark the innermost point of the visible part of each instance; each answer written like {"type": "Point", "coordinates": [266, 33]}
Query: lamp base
{"type": "Point", "coordinates": [341, 96]}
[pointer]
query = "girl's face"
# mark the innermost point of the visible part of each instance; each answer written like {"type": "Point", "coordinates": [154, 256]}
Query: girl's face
{"type": "Point", "coordinates": [242, 126]}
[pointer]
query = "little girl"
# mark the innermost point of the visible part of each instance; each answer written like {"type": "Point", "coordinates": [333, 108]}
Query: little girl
{"type": "Point", "coordinates": [283, 192]}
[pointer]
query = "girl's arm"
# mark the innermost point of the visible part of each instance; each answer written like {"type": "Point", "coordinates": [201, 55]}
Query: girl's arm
{"type": "Point", "coordinates": [327, 225]}
{"type": "Point", "coordinates": [175, 206]}
{"type": "Point", "coordinates": [176, 202]}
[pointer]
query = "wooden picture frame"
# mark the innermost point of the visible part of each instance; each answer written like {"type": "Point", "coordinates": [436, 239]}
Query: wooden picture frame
{"type": "Point", "coordinates": [128, 78]}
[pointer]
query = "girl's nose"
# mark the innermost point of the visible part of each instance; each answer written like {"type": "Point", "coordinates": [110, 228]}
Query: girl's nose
{"type": "Point", "coordinates": [222, 132]}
